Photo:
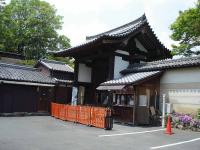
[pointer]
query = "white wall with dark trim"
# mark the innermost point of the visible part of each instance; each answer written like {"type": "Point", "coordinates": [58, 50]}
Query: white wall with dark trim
{"type": "Point", "coordinates": [182, 89]}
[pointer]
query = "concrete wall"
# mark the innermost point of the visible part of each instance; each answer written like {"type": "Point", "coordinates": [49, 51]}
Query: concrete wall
{"type": "Point", "coordinates": [84, 73]}
{"type": "Point", "coordinates": [119, 65]}
{"type": "Point", "coordinates": [182, 89]}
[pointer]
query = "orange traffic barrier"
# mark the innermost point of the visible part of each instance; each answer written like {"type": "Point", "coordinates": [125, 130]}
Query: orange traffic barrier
{"type": "Point", "coordinates": [95, 116]}
{"type": "Point", "coordinates": [71, 113]}
{"type": "Point", "coordinates": [84, 115]}
{"type": "Point", "coordinates": [98, 115]}
{"type": "Point", "coordinates": [62, 111]}
{"type": "Point", "coordinates": [56, 110]}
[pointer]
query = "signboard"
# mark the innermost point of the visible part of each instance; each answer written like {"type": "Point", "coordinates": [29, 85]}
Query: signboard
{"type": "Point", "coordinates": [142, 100]}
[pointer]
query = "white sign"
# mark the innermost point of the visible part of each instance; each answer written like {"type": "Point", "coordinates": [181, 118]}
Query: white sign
{"type": "Point", "coordinates": [74, 96]}
{"type": "Point", "coordinates": [142, 100]}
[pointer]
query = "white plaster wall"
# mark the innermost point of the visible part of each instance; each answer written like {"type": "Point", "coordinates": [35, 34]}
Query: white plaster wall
{"type": "Point", "coordinates": [119, 65]}
{"type": "Point", "coordinates": [182, 89]}
{"type": "Point", "coordinates": [84, 73]}
{"type": "Point", "coordinates": [140, 46]}
{"type": "Point", "coordinates": [183, 75]}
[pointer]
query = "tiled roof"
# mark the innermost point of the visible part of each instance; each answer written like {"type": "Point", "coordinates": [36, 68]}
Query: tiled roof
{"type": "Point", "coordinates": [10, 72]}
{"type": "Point", "coordinates": [56, 65]}
{"type": "Point", "coordinates": [133, 78]}
{"type": "Point", "coordinates": [117, 33]}
{"type": "Point", "coordinates": [163, 64]}
{"type": "Point", "coordinates": [122, 30]}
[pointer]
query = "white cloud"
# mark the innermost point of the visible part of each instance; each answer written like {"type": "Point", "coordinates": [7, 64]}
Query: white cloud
{"type": "Point", "coordinates": [88, 17]}
{"type": "Point", "coordinates": [78, 32]}
{"type": "Point", "coordinates": [162, 13]}
{"type": "Point", "coordinates": [77, 6]}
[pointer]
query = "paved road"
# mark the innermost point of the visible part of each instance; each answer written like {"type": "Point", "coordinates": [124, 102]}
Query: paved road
{"type": "Point", "coordinates": [47, 133]}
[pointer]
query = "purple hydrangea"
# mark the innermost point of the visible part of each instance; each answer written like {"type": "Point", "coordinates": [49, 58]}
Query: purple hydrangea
{"type": "Point", "coordinates": [186, 119]}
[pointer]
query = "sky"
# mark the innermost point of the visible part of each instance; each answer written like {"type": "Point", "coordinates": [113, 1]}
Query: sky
{"type": "Point", "coordinates": [83, 18]}
{"type": "Point", "coordinates": [88, 17]}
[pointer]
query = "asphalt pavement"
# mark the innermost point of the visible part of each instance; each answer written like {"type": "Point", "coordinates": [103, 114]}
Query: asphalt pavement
{"type": "Point", "coordinates": [48, 133]}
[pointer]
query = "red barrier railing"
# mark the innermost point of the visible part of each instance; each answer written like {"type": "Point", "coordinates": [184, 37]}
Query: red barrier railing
{"type": "Point", "coordinates": [72, 113]}
{"type": "Point", "coordinates": [56, 110]}
{"type": "Point", "coordinates": [62, 111]}
{"type": "Point", "coordinates": [95, 116]}
{"type": "Point", "coordinates": [84, 115]}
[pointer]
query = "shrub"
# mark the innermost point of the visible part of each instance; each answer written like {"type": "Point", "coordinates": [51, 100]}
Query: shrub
{"type": "Point", "coordinates": [185, 121]}
{"type": "Point", "coordinates": [198, 114]}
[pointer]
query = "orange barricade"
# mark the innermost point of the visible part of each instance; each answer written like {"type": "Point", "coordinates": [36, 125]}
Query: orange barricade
{"type": "Point", "coordinates": [62, 111]}
{"type": "Point", "coordinates": [56, 110]}
{"type": "Point", "coordinates": [84, 114]}
{"type": "Point", "coordinates": [72, 114]}
{"type": "Point", "coordinates": [98, 115]}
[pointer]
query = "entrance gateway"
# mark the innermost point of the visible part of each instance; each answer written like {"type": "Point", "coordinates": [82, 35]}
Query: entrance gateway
{"type": "Point", "coordinates": [102, 58]}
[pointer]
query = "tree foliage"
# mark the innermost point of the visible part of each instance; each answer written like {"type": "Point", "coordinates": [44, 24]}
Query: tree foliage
{"type": "Point", "coordinates": [186, 30]}
{"type": "Point", "coordinates": [29, 27]}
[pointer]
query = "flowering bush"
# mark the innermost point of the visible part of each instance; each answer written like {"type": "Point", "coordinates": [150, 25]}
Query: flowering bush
{"type": "Point", "coordinates": [185, 121]}
{"type": "Point", "coordinates": [198, 114]}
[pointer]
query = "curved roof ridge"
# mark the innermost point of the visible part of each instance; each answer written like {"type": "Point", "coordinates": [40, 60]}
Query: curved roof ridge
{"type": "Point", "coordinates": [163, 64]}
{"type": "Point", "coordinates": [134, 22]}
{"type": "Point", "coordinates": [172, 60]}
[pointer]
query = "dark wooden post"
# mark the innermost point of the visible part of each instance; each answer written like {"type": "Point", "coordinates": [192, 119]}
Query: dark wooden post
{"type": "Point", "coordinates": [110, 98]}
{"type": "Point", "coordinates": [135, 104]}
{"type": "Point", "coordinates": [111, 67]}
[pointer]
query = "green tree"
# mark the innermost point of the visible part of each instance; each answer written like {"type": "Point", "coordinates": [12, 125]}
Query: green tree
{"type": "Point", "coordinates": [29, 27]}
{"type": "Point", "coordinates": [2, 4]}
{"type": "Point", "coordinates": [186, 30]}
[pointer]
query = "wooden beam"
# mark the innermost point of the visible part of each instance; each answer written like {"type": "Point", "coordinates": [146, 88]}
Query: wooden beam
{"type": "Point", "coordinates": [111, 67]}
{"type": "Point", "coordinates": [76, 68]}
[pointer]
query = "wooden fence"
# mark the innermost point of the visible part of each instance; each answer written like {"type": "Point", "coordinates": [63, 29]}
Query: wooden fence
{"type": "Point", "coordinates": [99, 117]}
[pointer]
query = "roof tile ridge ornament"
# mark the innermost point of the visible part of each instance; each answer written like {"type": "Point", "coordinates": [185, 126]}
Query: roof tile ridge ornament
{"type": "Point", "coordinates": [141, 18]}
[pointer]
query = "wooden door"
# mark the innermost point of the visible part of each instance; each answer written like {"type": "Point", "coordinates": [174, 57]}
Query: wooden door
{"type": "Point", "coordinates": [44, 103]}
{"type": "Point", "coordinates": [142, 109]}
